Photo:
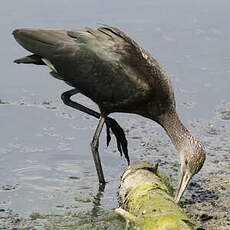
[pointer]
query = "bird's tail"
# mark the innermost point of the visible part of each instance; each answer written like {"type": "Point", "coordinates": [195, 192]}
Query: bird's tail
{"type": "Point", "coordinates": [32, 59]}
{"type": "Point", "coordinates": [43, 43]}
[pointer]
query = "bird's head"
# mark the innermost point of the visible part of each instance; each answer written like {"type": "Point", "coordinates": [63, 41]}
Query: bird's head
{"type": "Point", "coordinates": [192, 156]}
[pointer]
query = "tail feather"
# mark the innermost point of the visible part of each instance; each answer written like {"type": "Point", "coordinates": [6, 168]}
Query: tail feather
{"type": "Point", "coordinates": [32, 59]}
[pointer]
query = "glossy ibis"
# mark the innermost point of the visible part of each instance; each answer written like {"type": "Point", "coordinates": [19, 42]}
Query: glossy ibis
{"type": "Point", "coordinates": [110, 68]}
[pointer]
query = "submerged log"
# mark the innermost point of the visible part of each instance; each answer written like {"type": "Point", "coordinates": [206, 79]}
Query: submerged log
{"type": "Point", "coordinates": [147, 202]}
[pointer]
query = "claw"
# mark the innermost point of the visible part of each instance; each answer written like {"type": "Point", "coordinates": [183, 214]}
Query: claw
{"type": "Point", "coordinates": [122, 143]}
{"type": "Point", "coordinates": [108, 136]}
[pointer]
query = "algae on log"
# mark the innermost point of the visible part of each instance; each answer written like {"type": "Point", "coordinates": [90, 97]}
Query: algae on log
{"type": "Point", "coordinates": [147, 202]}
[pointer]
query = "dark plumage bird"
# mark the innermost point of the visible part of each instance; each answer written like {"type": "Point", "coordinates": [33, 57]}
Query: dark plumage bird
{"type": "Point", "coordinates": [110, 68]}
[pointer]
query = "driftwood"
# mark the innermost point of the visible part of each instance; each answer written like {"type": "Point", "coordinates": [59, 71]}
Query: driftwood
{"type": "Point", "coordinates": [147, 202]}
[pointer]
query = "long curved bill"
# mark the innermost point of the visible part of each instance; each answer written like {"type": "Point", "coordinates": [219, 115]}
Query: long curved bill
{"type": "Point", "coordinates": [184, 180]}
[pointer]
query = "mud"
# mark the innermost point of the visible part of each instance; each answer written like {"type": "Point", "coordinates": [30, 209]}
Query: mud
{"type": "Point", "coordinates": [206, 201]}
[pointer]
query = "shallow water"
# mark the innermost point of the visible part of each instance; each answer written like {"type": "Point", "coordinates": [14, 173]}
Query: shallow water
{"type": "Point", "coordinates": [45, 161]}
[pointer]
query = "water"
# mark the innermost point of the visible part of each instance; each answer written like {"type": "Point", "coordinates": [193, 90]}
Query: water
{"type": "Point", "coordinates": [45, 161]}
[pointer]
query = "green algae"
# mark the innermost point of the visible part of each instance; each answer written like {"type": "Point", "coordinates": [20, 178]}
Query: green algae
{"type": "Point", "coordinates": [149, 205]}
{"type": "Point", "coordinates": [37, 215]}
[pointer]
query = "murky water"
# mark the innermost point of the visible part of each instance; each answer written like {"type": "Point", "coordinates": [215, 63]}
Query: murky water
{"type": "Point", "coordinates": [45, 160]}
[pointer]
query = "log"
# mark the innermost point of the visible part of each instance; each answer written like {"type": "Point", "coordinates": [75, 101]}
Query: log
{"type": "Point", "coordinates": [146, 200]}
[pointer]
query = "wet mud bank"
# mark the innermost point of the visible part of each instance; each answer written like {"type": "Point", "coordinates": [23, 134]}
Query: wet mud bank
{"type": "Point", "coordinates": [207, 200]}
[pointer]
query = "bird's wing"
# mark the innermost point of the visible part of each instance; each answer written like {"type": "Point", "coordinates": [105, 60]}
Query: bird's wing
{"type": "Point", "coordinates": [114, 39]}
{"type": "Point", "coordinates": [117, 44]}
{"type": "Point", "coordinates": [44, 43]}
{"type": "Point", "coordinates": [107, 42]}
{"type": "Point", "coordinates": [114, 45]}
{"type": "Point", "coordinates": [142, 62]}
{"type": "Point", "coordinates": [140, 53]}
{"type": "Point", "coordinates": [138, 58]}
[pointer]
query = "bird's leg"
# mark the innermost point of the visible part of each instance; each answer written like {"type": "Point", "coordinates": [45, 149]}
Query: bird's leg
{"type": "Point", "coordinates": [94, 148]}
{"type": "Point", "coordinates": [66, 100]}
{"type": "Point", "coordinates": [110, 122]}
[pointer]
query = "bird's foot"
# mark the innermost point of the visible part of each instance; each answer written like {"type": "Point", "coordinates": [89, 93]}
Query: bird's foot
{"type": "Point", "coordinates": [122, 143]}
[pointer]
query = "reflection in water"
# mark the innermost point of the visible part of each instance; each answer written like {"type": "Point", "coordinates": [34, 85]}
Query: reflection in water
{"type": "Point", "coordinates": [97, 201]}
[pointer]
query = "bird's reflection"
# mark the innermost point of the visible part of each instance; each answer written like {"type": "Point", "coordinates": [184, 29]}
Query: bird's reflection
{"type": "Point", "coordinates": [95, 212]}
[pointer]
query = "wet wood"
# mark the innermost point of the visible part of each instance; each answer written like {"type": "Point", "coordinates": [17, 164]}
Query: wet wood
{"type": "Point", "coordinates": [146, 200]}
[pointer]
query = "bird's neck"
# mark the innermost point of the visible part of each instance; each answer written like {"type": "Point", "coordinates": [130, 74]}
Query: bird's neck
{"type": "Point", "coordinates": [175, 129]}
